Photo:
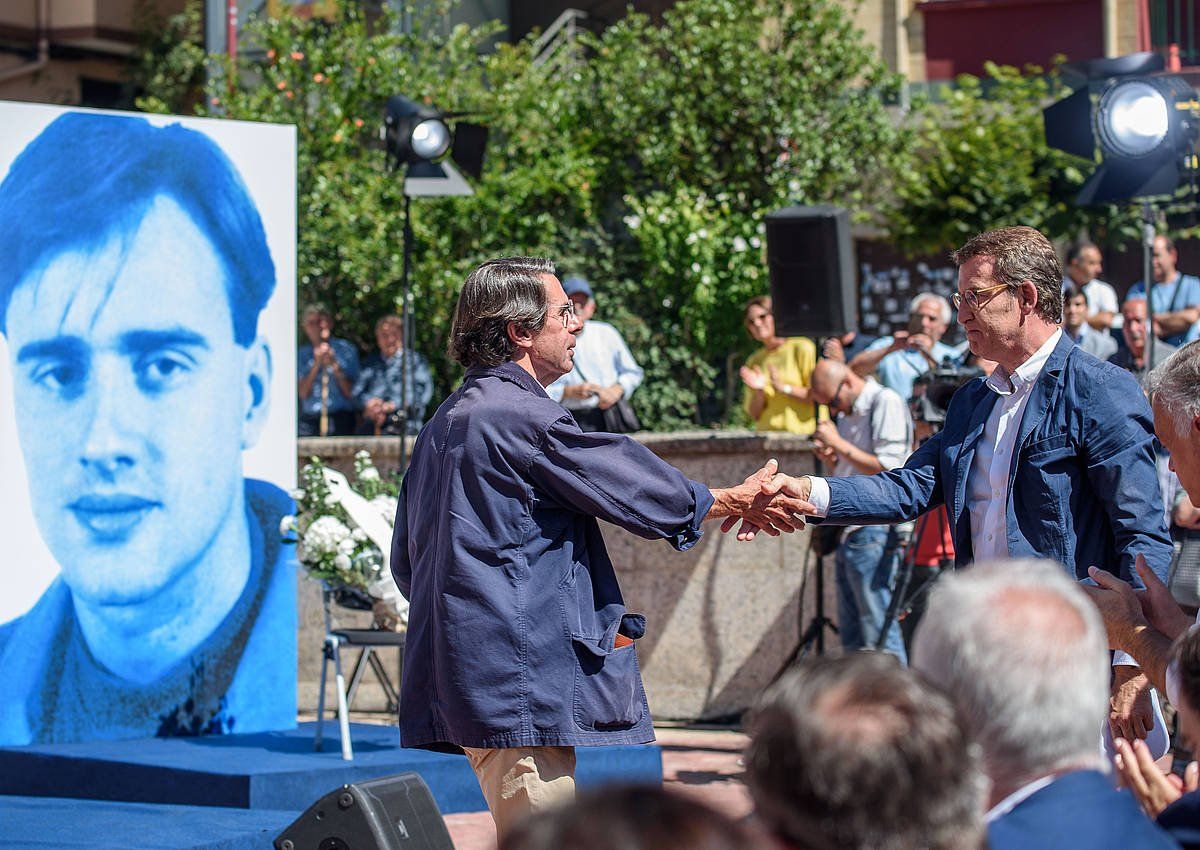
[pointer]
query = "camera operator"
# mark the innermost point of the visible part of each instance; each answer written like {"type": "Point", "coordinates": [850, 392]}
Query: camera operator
{"type": "Point", "coordinates": [874, 433]}
{"type": "Point", "coordinates": [900, 359]}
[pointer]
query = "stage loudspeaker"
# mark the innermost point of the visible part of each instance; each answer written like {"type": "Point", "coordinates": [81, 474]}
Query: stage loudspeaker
{"type": "Point", "coordinates": [390, 813]}
{"type": "Point", "coordinates": [811, 262]}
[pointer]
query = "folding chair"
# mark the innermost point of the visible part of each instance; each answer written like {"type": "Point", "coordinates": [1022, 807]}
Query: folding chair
{"type": "Point", "coordinates": [370, 641]}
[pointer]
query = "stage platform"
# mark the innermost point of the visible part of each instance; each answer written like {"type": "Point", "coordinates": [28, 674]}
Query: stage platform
{"type": "Point", "coordinates": [42, 823]}
{"type": "Point", "coordinates": [270, 770]}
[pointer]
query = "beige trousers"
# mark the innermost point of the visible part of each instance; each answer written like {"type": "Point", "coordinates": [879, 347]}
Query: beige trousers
{"type": "Point", "coordinates": [517, 781]}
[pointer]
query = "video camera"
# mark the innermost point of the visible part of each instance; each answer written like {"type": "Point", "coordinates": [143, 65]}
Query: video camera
{"type": "Point", "coordinates": [933, 390]}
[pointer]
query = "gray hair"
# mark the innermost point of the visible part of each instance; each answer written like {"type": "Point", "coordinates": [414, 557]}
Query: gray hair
{"type": "Point", "coordinates": [942, 304]}
{"type": "Point", "coordinates": [496, 293]}
{"type": "Point", "coordinates": [859, 752]}
{"type": "Point", "coordinates": [1023, 651]}
{"type": "Point", "coordinates": [1175, 387]}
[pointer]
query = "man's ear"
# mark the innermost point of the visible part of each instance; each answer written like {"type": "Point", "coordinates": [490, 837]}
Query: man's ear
{"type": "Point", "coordinates": [519, 335]}
{"type": "Point", "coordinates": [1030, 292]}
{"type": "Point", "coordinates": [256, 403]}
{"type": "Point", "coordinates": [1196, 426]}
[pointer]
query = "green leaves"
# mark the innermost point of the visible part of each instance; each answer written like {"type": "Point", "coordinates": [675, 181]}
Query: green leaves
{"type": "Point", "coordinates": [648, 169]}
{"type": "Point", "coordinates": [981, 161]}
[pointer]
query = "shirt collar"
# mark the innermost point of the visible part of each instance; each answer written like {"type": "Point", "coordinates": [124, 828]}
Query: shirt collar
{"type": "Point", "coordinates": [1001, 383]}
{"type": "Point", "coordinates": [862, 404]}
{"type": "Point", "coordinates": [509, 371]}
{"type": "Point", "coordinates": [1018, 797]}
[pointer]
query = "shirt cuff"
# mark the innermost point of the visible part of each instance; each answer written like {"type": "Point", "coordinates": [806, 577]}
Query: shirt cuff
{"type": "Point", "coordinates": [1123, 659]}
{"type": "Point", "coordinates": [819, 495]}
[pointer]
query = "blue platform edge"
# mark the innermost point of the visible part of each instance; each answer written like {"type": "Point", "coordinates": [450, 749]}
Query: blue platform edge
{"type": "Point", "coordinates": [272, 770]}
{"type": "Point", "coordinates": [46, 823]}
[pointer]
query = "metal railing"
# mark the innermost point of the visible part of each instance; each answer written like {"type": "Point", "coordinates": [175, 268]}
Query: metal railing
{"type": "Point", "coordinates": [558, 47]}
{"type": "Point", "coordinates": [1174, 22]}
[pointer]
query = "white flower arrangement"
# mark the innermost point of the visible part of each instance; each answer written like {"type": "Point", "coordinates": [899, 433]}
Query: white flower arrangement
{"type": "Point", "coordinates": [329, 544]}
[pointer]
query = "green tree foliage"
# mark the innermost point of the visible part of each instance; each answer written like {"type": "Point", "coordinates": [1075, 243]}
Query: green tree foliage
{"type": "Point", "coordinates": [981, 161]}
{"type": "Point", "coordinates": [647, 169]}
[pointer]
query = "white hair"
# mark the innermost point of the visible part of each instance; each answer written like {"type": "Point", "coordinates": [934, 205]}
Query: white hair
{"type": "Point", "coordinates": [1175, 387]}
{"type": "Point", "coordinates": [1022, 650]}
{"type": "Point", "coordinates": [942, 304]}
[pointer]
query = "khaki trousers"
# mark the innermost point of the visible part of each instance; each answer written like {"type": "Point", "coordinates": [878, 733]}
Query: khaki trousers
{"type": "Point", "coordinates": [517, 781]}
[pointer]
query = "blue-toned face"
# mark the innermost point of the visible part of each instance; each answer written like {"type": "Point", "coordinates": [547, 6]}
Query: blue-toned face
{"type": "Point", "coordinates": [133, 404]}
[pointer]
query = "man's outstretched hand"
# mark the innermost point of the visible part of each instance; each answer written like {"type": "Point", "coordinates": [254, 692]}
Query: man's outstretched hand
{"type": "Point", "coordinates": [756, 509]}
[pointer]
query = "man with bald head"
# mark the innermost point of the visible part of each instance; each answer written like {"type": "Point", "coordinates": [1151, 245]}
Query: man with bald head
{"type": "Point", "coordinates": [874, 433]}
{"type": "Point", "coordinates": [1023, 653]}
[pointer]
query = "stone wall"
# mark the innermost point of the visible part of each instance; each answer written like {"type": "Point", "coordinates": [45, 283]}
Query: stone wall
{"type": "Point", "coordinates": [722, 618]}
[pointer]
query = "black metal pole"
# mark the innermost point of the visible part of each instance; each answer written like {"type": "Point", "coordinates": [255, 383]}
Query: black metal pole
{"type": "Point", "coordinates": [406, 321]}
{"type": "Point", "coordinates": [1148, 277]}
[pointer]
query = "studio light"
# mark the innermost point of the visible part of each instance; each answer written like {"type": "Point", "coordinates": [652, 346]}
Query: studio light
{"type": "Point", "coordinates": [414, 133]}
{"type": "Point", "coordinates": [1140, 125]}
{"type": "Point", "coordinates": [417, 138]}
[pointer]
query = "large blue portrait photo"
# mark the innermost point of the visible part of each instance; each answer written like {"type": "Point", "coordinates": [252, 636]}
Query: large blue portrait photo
{"type": "Point", "coordinates": [147, 421]}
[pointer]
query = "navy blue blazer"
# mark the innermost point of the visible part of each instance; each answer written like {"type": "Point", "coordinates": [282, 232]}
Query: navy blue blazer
{"type": "Point", "coordinates": [1083, 489]}
{"type": "Point", "coordinates": [1181, 820]}
{"type": "Point", "coordinates": [515, 607]}
{"type": "Point", "coordinates": [1079, 810]}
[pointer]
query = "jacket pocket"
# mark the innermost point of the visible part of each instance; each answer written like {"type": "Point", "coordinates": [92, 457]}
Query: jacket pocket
{"type": "Point", "coordinates": [608, 682]}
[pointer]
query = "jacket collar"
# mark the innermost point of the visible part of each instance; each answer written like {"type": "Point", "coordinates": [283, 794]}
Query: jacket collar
{"type": "Point", "coordinates": [511, 372]}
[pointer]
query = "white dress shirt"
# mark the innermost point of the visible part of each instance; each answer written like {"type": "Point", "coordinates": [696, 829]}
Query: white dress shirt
{"type": "Point", "coordinates": [987, 480]}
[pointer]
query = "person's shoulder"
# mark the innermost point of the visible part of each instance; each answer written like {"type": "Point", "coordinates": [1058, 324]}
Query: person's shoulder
{"type": "Point", "coordinates": [881, 342]}
{"type": "Point", "coordinates": [802, 343]}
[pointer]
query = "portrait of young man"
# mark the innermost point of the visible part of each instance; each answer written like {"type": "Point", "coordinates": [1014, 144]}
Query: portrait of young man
{"type": "Point", "coordinates": [138, 370]}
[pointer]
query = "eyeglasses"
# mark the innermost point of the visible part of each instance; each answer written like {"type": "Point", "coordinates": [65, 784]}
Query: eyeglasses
{"type": "Point", "coordinates": [566, 313]}
{"type": "Point", "coordinates": [971, 296]}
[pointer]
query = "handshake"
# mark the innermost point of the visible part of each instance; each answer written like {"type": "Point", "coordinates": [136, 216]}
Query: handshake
{"type": "Point", "coordinates": [767, 501]}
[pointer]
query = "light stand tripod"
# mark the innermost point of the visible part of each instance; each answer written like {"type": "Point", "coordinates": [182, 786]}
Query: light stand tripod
{"type": "Point", "coordinates": [903, 599]}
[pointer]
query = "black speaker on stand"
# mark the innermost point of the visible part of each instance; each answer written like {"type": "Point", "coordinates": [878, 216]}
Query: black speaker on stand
{"type": "Point", "coordinates": [390, 813]}
{"type": "Point", "coordinates": [810, 257]}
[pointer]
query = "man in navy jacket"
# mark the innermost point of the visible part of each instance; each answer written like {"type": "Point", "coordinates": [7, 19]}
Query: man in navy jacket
{"type": "Point", "coordinates": [519, 644]}
{"type": "Point", "coordinates": [1021, 650]}
{"type": "Point", "coordinates": [1051, 456]}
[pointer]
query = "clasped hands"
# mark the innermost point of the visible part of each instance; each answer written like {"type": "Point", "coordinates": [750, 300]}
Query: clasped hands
{"type": "Point", "coordinates": [767, 501]}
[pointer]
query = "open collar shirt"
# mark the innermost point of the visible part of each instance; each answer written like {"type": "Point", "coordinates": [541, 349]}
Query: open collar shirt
{"type": "Point", "coordinates": [987, 482]}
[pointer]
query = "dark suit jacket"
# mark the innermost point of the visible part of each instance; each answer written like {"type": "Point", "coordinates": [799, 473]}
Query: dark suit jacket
{"type": "Point", "coordinates": [1181, 820]}
{"type": "Point", "coordinates": [1079, 810]}
{"type": "Point", "coordinates": [1083, 488]}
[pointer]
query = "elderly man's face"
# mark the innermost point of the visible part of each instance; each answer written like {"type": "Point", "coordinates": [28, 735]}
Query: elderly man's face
{"type": "Point", "coordinates": [1134, 328]}
{"type": "Point", "coordinates": [928, 316]}
{"type": "Point", "coordinates": [1163, 261]}
{"type": "Point", "coordinates": [390, 339]}
{"type": "Point", "coordinates": [1184, 449]}
{"type": "Point", "coordinates": [133, 403]}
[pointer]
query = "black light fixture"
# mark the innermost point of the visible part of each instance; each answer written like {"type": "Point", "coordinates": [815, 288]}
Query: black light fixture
{"type": "Point", "coordinates": [417, 138]}
{"type": "Point", "coordinates": [414, 133]}
{"type": "Point", "coordinates": [1140, 124]}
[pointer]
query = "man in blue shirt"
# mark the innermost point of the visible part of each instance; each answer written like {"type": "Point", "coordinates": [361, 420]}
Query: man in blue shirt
{"type": "Point", "coordinates": [326, 370]}
{"type": "Point", "coordinates": [519, 644]}
{"type": "Point", "coordinates": [900, 359]}
{"type": "Point", "coordinates": [380, 389]}
{"type": "Point", "coordinates": [1174, 298]}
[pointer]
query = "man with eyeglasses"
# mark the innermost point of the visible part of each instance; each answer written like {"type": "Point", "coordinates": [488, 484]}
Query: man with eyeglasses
{"type": "Point", "coordinates": [874, 432]}
{"type": "Point", "coordinates": [1050, 456]}
{"type": "Point", "coordinates": [520, 647]}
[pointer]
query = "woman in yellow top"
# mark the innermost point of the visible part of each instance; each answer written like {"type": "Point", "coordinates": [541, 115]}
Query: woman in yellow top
{"type": "Point", "coordinates": [777, 375]}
